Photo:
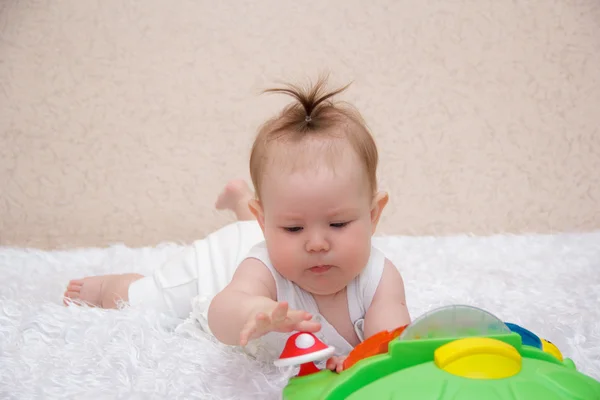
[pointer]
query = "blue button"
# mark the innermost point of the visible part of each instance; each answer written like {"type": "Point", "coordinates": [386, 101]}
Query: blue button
{"type": "Point", "coordinates": [527, 337]}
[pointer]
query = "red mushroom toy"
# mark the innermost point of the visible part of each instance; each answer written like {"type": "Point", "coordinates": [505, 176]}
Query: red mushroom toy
{"type": "Point", "coordinates": [302, 348]}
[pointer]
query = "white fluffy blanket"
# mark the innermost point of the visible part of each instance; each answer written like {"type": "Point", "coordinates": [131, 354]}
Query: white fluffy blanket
{"type": "Point", "coordinates": [549, 284]}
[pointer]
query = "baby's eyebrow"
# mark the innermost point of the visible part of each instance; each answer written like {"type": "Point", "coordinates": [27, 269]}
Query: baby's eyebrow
{"type": "Point", "coordinates": [336, 212]}
{"type": "Point", "coordinates": [294, 217]}
{"type": "Point", "coordinates": [342, 211]}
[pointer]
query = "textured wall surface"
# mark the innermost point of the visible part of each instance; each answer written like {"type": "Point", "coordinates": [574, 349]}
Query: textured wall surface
{"type": "Point", "coordinates": [121, 121]}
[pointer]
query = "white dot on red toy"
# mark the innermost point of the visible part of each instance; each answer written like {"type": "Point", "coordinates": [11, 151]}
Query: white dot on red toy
{"type": "Point", "coordinates": [305, 341]}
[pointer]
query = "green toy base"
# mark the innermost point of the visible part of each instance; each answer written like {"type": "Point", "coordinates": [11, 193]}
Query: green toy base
{"type": "Point", "coordinates": [408, 371]}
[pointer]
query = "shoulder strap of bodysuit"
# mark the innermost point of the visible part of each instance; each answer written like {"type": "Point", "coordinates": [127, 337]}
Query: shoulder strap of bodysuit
{"type": "Point", "coordinates": [362, 289]}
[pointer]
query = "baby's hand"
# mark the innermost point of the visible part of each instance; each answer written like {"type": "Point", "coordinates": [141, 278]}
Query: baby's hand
{"type": "Point", "coordinates": [336, 363]}
{"type": "Point", "coordinates": [280, 319]}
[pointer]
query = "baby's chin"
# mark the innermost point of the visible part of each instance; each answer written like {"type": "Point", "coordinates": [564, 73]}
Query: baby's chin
{"type": "Point", "coordinates": [324, 288]}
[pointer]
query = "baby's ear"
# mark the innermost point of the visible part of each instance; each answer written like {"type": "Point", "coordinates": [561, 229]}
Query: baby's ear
{"type": "Point", "coordinates": [379, 202]}
{"type": "Point", "coordinates": [257, 209]}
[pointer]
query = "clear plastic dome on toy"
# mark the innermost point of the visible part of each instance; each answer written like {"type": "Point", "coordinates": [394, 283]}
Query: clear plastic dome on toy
{"type": "Point", "coordinates": [455, 321]}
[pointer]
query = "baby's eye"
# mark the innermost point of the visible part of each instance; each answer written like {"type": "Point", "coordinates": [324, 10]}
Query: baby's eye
{"type": "Point", "coordinates": [293, 228]}
{"type": "Point", "coordinates": [339, 224]}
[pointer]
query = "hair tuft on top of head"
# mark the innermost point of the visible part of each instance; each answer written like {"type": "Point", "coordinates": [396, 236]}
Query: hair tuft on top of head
{"type": "Point", "coordinates": [305, 114]}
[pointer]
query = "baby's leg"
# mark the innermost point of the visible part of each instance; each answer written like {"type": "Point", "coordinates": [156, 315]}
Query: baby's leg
{"type": "Point", "coordinates": [104, 291]}
{"type": "Point", "coordinates": [177, 280]}
{"type": "Point", "coordinates": [235, 197]}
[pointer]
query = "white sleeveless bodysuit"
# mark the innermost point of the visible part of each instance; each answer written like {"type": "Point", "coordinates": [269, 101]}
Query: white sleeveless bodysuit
{"type": "Point", "coordinates": [360, 292]}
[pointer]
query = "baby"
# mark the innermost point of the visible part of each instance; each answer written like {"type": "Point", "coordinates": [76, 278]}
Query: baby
{"type": "Point", "coordinates": [317, 205]}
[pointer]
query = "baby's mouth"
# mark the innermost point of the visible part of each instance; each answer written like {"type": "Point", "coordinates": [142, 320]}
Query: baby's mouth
{"type": "Point", "coordinates": [319, 269]}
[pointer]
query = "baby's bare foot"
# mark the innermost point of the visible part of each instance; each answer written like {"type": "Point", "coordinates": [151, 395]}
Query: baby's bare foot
{"type": "Point", "coordinates": [86, 291]}
{"type": "Point", "coordinates": [233, 192]}
{"type": "Point", "coordinates": [235, 197]}
{"type": "Point", "coordinates": [104, 291]}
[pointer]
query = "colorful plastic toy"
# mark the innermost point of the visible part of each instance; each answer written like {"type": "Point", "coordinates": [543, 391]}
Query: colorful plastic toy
{"type": "Point", "coordinates": [455, 352]}
{"type": "Point", "coordinates": [376, 344]}
{"type": "Point", "coordinates": [303, 348]}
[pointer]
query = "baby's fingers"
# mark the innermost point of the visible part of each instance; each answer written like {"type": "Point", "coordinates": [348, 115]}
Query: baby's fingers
{"type": "Point", "coordinates": [307, 326]}
{"type": "Point", "coordinates": [253, 328]}
{"type": "Point", "coordinates": [331, 363]}
{"type": "Point", "coordinates": [247, 331]}
{"type": "Point", "coordinates": [280, 312]}
{"type": "Point", "coordinates": [297, 316]}
{"type": "Point", "coordinates": [336, 364]}
{"type": "Point", "coordinates": [263, 323]}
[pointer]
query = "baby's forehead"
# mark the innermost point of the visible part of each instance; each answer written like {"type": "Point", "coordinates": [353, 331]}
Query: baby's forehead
{"type": "Point", "coordinates": [295, 172]}
{"type": "Point", "coordinates": [331, 152]}
{"type": "Point", "coordinates": [317, 188]}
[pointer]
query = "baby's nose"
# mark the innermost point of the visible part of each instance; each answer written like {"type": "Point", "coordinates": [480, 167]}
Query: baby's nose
{"type": "Point", "coordinates": [317, 243]}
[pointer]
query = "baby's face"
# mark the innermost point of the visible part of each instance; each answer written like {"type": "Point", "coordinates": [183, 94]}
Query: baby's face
{"type": "Point", "coordinates": [317, 224]}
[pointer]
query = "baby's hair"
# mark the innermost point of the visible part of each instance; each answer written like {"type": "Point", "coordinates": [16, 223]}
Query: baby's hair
{"type": "Point", "coordinates": [314, 115]}
{"type": "Point", "coordinates": [306, 114]}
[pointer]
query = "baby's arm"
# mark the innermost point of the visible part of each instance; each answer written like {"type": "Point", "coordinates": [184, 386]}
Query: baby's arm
{"type": "Point", "coordinates": [388, 309]}
{"type": "Point", "coordinates": [252, 289]}
{"type": "Point", "coordinates": [247, 307]}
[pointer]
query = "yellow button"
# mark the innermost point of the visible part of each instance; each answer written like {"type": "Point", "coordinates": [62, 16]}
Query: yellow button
{"type": "Point", "coordinates": [478, 358]}
{"type": "Point", "coordinates": [551, 348]}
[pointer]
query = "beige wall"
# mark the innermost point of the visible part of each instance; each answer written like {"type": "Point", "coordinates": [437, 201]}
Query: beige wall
{"type": "Point", "coordinates": [121, 120]}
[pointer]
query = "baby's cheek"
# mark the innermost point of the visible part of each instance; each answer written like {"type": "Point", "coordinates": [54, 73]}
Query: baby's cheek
{"type": "Point", "coordinates": [282, 257]}
{"type": "Point", "coordinates": [354, 258]}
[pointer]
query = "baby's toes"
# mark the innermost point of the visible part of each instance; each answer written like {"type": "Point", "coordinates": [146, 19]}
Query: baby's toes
{"type": "Point", "coordinates": [70, 297]}
{"type": "Point", "coordinates": [73, 292]}
{"type": "Point", "coordinates": [74, 286]}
